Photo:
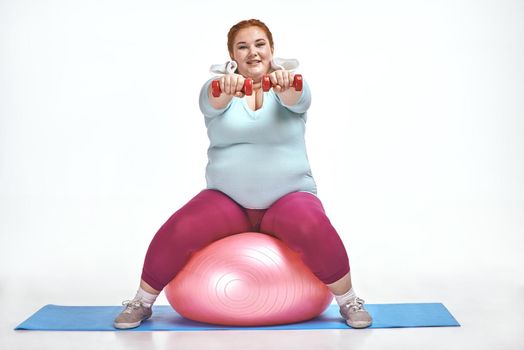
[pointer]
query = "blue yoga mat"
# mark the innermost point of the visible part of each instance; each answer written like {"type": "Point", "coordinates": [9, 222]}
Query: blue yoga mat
{"type": "Point", "coordinates": [100, 318]}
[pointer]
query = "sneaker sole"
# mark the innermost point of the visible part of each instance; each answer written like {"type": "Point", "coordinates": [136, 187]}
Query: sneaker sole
{"type": "Point", "coordinates": [359, 325]}
{"type": "Point", "coordinates": [129, 325]}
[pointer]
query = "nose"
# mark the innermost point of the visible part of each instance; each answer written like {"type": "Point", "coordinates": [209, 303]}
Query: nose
{"type": "Point", "coordinates": [252, 51]}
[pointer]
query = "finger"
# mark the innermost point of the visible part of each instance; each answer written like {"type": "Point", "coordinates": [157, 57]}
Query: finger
{"type": "Point", "coordinates": [240, 85]}
{"type": "Point", "coordinates": [227, 85]}
{"type": "Point", "coordinates": [273, 78]}
{"type": "Point", "coordinates": [291, 79]}
{"type": "Point", "coordinates": [285, 81]}
{"type": "Point", "coordinates": [280, 81]}
{"type": "Point", "coordinates": [280, 78]}
{"type": "Point", "coordinates": [233, 86]}
{"type": "Point", "coordinates": [222, 84]}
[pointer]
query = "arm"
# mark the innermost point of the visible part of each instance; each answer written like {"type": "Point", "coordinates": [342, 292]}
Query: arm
{"type": "Point", "coordinates": [295, 101]}
{"type": "Point", "coordinates": [218, 102]}
{"type": "Point", "coordinates": [283, 86]}
{"type": "Point", "coordinates": [290, 97]}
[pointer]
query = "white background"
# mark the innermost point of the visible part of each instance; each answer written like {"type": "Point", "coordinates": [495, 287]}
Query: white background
{"type": "Point", "coordinates": [415, 137]}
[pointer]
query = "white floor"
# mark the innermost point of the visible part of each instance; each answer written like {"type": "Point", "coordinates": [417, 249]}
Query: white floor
{"type": "Point", "coordinates": [415, 137]}
{"type": "Point", "coordinates": [473, 269]}
{"type": "Point", "coordinates": [493, 321]}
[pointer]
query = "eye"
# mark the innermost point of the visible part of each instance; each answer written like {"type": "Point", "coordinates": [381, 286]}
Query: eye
{"type": "Point", "coordinates": [261, 44]}
{"type": "Point", "coordinates": [241, 47]}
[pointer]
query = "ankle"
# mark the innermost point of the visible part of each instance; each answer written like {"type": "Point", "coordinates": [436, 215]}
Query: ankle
{"type": "Point", "coordinates": [147, 299]}
{"type": "Point", "coordinates": [346, 298]}
{"type": "Point", "coordinates": [147, 288]}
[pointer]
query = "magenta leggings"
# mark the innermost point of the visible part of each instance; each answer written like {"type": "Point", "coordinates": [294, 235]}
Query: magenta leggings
{"type": "Point", "coordinates": [298, 219]}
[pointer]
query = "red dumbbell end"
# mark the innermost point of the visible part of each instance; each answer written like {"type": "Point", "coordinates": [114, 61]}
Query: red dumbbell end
{"type": "Point", "coordinates": [215, 88]}
{"type": "Point", "coordinates": [297, 82]}
{"type": "Point", "coordinates": [266, 83]}
{"type": "Point", "coordinates": [248, 87]}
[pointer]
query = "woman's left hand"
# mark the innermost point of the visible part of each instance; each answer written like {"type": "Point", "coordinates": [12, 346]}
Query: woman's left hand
{"type": "Point", "coordinates": [282, 80]}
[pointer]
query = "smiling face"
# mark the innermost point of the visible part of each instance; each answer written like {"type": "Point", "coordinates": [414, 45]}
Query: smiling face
{"type": "Point", "coordinates": [252, 52]}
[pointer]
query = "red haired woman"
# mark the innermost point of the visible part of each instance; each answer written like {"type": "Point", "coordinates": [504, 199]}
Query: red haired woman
{"type": "Point", "coordinates": [258, 179]}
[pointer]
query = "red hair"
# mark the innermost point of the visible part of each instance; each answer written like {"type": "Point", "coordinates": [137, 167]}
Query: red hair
{"type": "Point", "coordinates": [245, 24]}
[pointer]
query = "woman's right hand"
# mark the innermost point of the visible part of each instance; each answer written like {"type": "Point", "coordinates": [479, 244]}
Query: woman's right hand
{"type": "Point", "coordinates": [232, 85]}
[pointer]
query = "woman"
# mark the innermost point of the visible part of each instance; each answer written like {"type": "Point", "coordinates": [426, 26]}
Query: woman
{"type": "Point", "coordinates": [258, 179]}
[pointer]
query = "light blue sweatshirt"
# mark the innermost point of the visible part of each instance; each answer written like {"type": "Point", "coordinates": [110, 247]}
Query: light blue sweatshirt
{"type": "Point", "coordinates": [256, 157]}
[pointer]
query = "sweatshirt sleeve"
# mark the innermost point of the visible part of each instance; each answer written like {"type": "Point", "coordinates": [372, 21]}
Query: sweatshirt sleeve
{"type": "Point", "coordinates": [206, 108]}
{"type": "Point", "coordinates": [303, 102]}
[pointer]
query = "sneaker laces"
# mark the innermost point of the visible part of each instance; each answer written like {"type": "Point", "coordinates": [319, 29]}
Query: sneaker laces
{"type": "Point", "coordinates": [356, 305]}
{"type": "Point", "coordinates": [131, 305]}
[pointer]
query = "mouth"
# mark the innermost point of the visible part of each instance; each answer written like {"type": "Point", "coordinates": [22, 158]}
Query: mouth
{"type": "Point", "coordinates": [253, 62]}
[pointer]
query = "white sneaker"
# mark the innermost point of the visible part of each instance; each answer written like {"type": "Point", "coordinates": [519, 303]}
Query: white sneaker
{"type": "Point", "coordinates": [133, 315]}
{"type": "Point", "coordinates": [355, 314]}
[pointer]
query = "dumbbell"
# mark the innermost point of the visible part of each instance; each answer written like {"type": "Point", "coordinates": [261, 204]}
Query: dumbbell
{"type": "Point", "coordinates": [247, 89]}
{"type": "Point", "coordinates": [297, 82]}
{"type": "Point", "coordinates": [248, 85]}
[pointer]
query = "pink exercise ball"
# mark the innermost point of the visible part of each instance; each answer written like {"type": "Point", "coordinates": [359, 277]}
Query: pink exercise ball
{"type": "Point", "coordinates": [248, 279]}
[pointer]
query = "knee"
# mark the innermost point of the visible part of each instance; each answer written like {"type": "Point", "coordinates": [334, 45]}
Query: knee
{"type": "Point", "coordinates": [178, 231]}
{"type": "Point", "coordinates": [311, 228]}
